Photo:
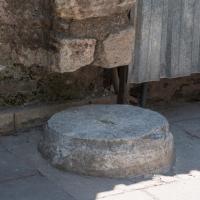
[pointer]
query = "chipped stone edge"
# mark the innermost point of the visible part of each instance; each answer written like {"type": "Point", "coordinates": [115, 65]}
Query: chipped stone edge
{"type": "Point", "coordinates": [25, 117]}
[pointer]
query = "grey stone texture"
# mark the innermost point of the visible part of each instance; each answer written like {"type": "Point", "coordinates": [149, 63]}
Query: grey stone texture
{"type": "Point", "coordinates": [32, 188]}
{"type": "Point", "coordinates": [109, 140]}
{"type": "Point", "coordinates": [12, 168]}
{"type": "Point", "coordinates": [24, 32]}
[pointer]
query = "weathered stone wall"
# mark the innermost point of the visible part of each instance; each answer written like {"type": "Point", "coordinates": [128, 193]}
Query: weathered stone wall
{"type": "Point", "coordinates": [168, 91]}
{"type": "Point", "coordinates": [93, 32]}
{"type": "Point", "coordinates": [65, 35]}
{"type": "Point", "coordinates": [24, 32]}
{"type": "Point", "coordinates": [41, 38]}
{"type": "Point", "coordinates": [43, 43]}
{"type": "Point", "coordinates": [22, 85]}
{"type": "Point", "coordinates": [173, 90]}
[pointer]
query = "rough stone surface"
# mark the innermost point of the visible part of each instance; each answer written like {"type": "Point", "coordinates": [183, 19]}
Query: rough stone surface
{"type": "Point", "coordinates": [109, 140]}
{"type": "Point", "coordinates": [81, 9]}
{"type": "Point", "coordinates": [29, 57]}
{"type": "Point", "coordinates": [39, 38]}
{"type": "Point", "coordinates": [24, 32]}
{"type": "Point", "coordinates": [117, 49]}
{"type": "Point", "coordinates": [99, 28]}
{"type": "Point", "coordinates": [29, 31]}
{"type": "Point", "coordinates": [74, 54]}
{"type": "Point", "coordinates": [6, 123]}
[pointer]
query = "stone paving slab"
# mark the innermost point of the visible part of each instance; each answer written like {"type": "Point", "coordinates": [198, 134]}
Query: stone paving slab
{"type": "Point", "coordinates": [185, 190]}
{"type": "Point", "coordinates": [134, 195]}
{"type": "Point", "coordinates": [191, 126]}
{"type": "Point", "coordinates": [88, 187]}
{"type": "Point", "coordinates": [180, 112]}
{"type": "Point", "coordinates": [32, 188]}
{"type": "Point", "coordinates": [27, 140]}
{"type": "Point", "coordinates": [187, 152]}
{"type": "Point", "coordinates": [12, 168]}
{"type": "Point", "coordinates": [1, 148]}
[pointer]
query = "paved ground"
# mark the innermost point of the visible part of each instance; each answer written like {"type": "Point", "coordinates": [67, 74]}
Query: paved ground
{"type": "Point", "coordinates": [24, 175]}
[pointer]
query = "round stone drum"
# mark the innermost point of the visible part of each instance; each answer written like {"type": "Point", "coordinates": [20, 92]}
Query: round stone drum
{"type": "Point", "coordinates": [109, 140]}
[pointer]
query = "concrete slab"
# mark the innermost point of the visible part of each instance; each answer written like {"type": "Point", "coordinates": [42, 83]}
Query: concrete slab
{"type": "Point", "coordinates": [181, 112]}
{"type": "Point", "coordinates": [32, 188]}
{"type": "Point", "coordinates": [1, 148]}
{"type": "Point", "coordinates": [88, 187]}
{"type": "Point", "coordinates": [187, 152]}
{"type": "Point", "coordinates": [191, 126]}
{"type": "Point", "coordinates": [12, 168]}
{"type": "Point", "coordinates": [21, 141]}
{"type": "Point", "coordinates": [186, 167]}
{"type": "Point", "coordinates": [176, 191]}
{"type": "Point", "coordinates": [134, 195]}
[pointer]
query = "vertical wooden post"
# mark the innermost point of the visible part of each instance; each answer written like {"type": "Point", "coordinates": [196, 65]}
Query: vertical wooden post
{"type": "Point", "coordinates": [115, 80]}
{"type": "Point", "coordinates": [123, 86]}
{"type": "Point", "coordinates": [143, 95]}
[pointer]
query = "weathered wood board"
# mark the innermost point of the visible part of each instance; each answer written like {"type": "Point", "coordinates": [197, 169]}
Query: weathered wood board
{"type": "Point", "coordinates": [167, 40]}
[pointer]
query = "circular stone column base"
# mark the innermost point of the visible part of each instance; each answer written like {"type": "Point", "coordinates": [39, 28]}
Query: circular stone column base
{"type": "Point", "coordinates": [109, 140]}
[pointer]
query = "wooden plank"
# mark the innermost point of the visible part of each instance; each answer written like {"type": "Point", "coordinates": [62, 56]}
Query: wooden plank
{"type": "Point", "coordinates": [175, 43]}
{"type": "Point", "coordinates": [185, 56]}
{"type": "Point", "coordinates": [153, 62]}
{"type": "Point", "coordinates": [196, 38]}
{"type": "Point", "coordinates": [140, 70]}
{"type": "Point", "coordinates": [167, 40]}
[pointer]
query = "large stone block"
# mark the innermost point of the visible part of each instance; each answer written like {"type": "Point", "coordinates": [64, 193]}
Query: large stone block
{"type": "Point", "coordinates": [73, 54]}
{"type": "Point", "coordinates": [117, 49]}
{"type": "Point", "coordinates": [100, 27]}
{"type": "Point", "coordinates": [81, 9]}
{"type": "Point", "coordinates": [24, 32]}
{"type": "Point", "coordinates": [109, 140]}
{"type": "Point", "coordinates": [29, 57]}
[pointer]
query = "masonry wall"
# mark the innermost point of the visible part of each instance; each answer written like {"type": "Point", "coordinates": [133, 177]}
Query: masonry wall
{"type": "Point", "coordinates": [55, 50]}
